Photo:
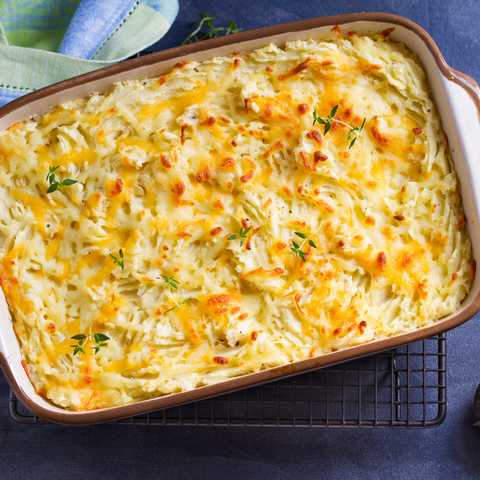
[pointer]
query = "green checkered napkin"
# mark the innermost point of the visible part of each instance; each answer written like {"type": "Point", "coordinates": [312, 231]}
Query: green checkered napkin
{"type": "Point", "coordinates": [46, 41]}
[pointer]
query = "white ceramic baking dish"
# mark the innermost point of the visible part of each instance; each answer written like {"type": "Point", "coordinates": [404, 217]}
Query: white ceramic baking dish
{"type": "Point", "coordinates": [458, 100]}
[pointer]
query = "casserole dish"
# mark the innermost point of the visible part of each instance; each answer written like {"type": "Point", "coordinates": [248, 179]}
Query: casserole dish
{"type": "Point", "coordinates": [446, 85]}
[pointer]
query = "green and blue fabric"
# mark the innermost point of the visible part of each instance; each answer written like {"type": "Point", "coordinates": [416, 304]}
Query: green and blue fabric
{"type": "Point", "coordinates": [46, 41]}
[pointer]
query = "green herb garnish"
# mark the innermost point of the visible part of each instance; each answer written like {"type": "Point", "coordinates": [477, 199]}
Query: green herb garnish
{"type": "Point", "coordinates": [242, 235]}
{"type": "Point", "coordinates": [298, 248]}
{"type": "Point", "coordinates": [98, 338]}
{"type": "Point", "coordinates": [120, 260]}
{"type": "Point", "coordinates": [208, 21]}
{"type": "Point", "coordinates": [325, 121]}
{"type": "Point", "coordinates": [177, 305]}
{"type": "Point", "coordinates": [54, 183]}
{"type": "Point", "coordinates": [353, 133]}
{"type": "Point", "coordinates": [173, 283]}
{"type": "Point", "coordinates": [310, 241]}
{"type": "Point", "coordinates": [231, 27]}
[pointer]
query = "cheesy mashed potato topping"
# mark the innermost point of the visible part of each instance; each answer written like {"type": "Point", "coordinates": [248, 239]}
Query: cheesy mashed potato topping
{"type": "Point", "coordinates": [170, 168]}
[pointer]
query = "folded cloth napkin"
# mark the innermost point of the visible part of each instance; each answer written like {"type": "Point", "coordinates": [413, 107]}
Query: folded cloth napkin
{"type": "Point", "coordinates": [46, 41]}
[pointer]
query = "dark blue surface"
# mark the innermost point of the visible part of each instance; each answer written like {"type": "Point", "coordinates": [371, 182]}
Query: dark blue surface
{"type": "Point", "coordinates": [448, 452]}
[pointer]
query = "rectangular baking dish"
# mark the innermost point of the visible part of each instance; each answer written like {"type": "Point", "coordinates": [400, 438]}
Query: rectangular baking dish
{"type": "Point", "coordinates": [457, 97]}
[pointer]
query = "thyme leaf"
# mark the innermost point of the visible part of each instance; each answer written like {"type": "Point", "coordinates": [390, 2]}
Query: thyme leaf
{"type": "Point", "coordinates": [177, 305]}
{"type": "Point", "coordinates": [120, 260]}
{"type": "Point", "coordinates": [54, 183]}
{"type": "Point", "coordinates": [325, 121]}
{"type": "Point", "coordinates": [242, 235]}
{"type": "Point", "coordinates": [208, 22]}
{"type": "Point", "coordinates": [231, 27]}
{"type": "Point", "coordinates": [100, 340]}
{"type": "Point", "coordinates": [171, 281]}
{"type": "Point", "coordinates": [352, 134]}
{"type": "Point", "coordinates": [298, 248]}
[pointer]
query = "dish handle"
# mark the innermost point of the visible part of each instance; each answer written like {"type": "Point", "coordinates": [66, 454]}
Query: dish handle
{"type": "Point", "coordinates": [463, 96]}
{"type": "Point", "coordinates": [4, 317]}
{"type": "Point", "coordinates": [9, 348]}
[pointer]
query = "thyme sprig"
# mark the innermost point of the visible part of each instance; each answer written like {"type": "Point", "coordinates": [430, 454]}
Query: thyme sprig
{"type": "Point", "coordinates": [242, 235]}
{"type": "Point", "coordinates": [208, 21]}
{"type": "Point", "coordinates": [177, 305]}
{"type": "Point", "coordinates": [231, 27]}
{"type": "Point", "coordinates": [54, 183]}
{"type": "Point", "coordinates": [325, 121]}
{"type": "Point", "coordinates": [100, 340]}
{"type": "Point", "coordinates": [172, 282]}
{"type": "Point", "coordinates": [352, 134]}
{"type": "Point", "coordinates": [298, 248]}
{"type": "Point", "coordinates": [120, 260]}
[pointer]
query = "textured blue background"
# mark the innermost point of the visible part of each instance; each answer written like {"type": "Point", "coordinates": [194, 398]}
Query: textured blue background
{"type": "Point", "coordinates": [447, 452]}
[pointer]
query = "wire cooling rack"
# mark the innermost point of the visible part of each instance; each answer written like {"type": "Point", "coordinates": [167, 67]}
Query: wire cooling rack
{"type": "Point", "coordinates": [402, 388]}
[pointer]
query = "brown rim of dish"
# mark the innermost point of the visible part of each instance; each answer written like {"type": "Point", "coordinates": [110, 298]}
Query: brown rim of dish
{"type": "Point", "coordinates": [200, 393]}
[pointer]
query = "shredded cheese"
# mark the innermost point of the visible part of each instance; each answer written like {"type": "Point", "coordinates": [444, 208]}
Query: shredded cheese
{"type": "Point", "coordinates": [169, 168]}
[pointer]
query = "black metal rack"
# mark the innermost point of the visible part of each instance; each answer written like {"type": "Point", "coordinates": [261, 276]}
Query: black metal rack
{"type": "Point", "coordinates": [402, 388]}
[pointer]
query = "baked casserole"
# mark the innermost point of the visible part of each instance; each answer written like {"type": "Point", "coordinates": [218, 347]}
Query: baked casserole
{"type": "Point", "coordinates": [231, 216]}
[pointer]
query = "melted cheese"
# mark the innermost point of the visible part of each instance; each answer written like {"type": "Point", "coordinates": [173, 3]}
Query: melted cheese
{"type": "Point", "coordinates": [169, 169]}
